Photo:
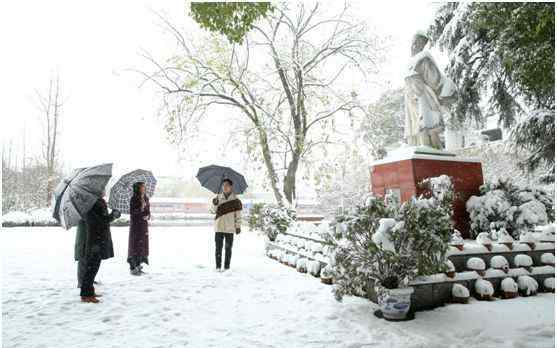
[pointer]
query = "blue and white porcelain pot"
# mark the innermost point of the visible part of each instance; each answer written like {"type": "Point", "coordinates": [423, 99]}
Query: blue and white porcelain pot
{"type": "Point", "coordinates": [395, 303]}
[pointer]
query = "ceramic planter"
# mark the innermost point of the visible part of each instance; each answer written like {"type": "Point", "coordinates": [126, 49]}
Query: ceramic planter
{"type": "Point", "coordinates": [395, 303]}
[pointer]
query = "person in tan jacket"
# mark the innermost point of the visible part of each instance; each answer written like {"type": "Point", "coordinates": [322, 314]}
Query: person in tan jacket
{"type": "Point", "coordinates": [228, 217]}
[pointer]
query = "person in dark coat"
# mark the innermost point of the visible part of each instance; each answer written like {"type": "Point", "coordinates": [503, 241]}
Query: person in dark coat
{"type": "Point", "coordinates": [140, 213]}
{"type": "Point", "coordinates": [96, 246]}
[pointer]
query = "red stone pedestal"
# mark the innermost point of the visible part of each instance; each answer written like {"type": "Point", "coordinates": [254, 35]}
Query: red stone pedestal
{"type": "Point", "coordinates": [403, 172]}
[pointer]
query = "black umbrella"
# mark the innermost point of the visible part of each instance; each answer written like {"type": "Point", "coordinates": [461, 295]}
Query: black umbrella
{"type": "Point", "coordinates": [211, 177]}
{"type": "Point", "coordinates": [122, 191]}
{"type": "Point", "coordinates": [77, 194]}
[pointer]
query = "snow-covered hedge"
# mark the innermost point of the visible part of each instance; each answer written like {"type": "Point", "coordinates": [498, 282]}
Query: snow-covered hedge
{"type": "Point", "coordinates": [36, 217]}
{"type": "Point", "coordinates": [503, 205]}
{"type": "Point", "coordinates": [276, 219]}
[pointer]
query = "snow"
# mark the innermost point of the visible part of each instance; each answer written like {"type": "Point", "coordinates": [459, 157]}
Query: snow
{"type": "Point", "coordinates": [504, 237]}
{"type": "Point", "coordinates": [483, 287]}
{"type": "Point", "coordinates": [483, 238]}
{"type": "Point", "coordinates": [382, 237]}
{"type": "Point", "coordinates": [522, 260]}
{"type": "Point", "coordinates": [475, 264]}
{"type": "Point", "coordinates": [549, 283]}
{"type": "Point", "coordinates": [527, 237]}
{"type": "Point", "coordinates": [421, 152]}
{"type": "Point", "coordinates": [460, 291]}
{"type": "Point", "coordinates": [509, 285]}
{"type": "Point", "coordinates": [182, 302]}
{"type": "Point", "coordinates": [499, 262]}
{"type": "Point", "coordinates": [527, 284]}
{"type": "Point", "coordinates": [548, 259]}
{"type": "Point", "coordinates": [456, 238]}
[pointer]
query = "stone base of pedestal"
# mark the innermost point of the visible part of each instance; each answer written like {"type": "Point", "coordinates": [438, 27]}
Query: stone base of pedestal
{"type": "Point", "coordinates": [402, 171]}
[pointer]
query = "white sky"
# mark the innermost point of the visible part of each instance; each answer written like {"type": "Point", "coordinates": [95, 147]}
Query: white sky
{"type": "Point", "coordinates": [106, 117]}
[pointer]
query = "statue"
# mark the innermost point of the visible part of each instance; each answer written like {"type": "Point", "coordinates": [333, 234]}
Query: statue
{"type": "Point", "coordinates": [428, 93]}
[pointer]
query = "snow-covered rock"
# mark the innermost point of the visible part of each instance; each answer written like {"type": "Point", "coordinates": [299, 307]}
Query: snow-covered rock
{"type": "Point", "coordinates": [499, 262]}
{"type": "Point", "coordinates": [460, 291]}
{"type": "Point", "coordinates": [548, 259]}
{"type": "Point", "coordinates": [475, 264]}
{"type": "Point", "coordinates": [484, 288]}
{"type": "Point", "coordinates": [450, 266]}
{"type": "Point", "coordinates": [314, 267]}
{"type": "Point", "coordinates": [301, 264]}
{"type": "Point", "coordinates": [523, 260]}
{"type": "Point", "coordinates": [527, 285]}
{"type": "Point", "coordinates": [509, 285]}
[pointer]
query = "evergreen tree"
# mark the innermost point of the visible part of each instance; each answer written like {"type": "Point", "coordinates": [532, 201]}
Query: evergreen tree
{"type": "Point", "coordinates": [505, 52]}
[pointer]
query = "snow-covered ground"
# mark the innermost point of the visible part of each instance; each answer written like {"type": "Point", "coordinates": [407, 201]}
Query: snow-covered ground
{"type": "Point", "coordinates": [182, 302]}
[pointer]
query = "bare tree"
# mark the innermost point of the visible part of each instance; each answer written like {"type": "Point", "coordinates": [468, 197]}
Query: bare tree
{"type": "Point", "coordinates": [50, 105]}
{"type": "Point", "coordinates": [284, 78]}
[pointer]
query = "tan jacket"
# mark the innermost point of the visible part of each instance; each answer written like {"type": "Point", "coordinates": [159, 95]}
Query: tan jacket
{"type": "Point", "coordinates": [227, 223]}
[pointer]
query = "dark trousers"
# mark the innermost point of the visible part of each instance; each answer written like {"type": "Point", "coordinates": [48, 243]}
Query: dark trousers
{"type": "Point", "coordinates": [81, 267]}
{"type": "Point", "coordinates": [93, 263]}
{"type": "Point", "coordinates": [229, 239]}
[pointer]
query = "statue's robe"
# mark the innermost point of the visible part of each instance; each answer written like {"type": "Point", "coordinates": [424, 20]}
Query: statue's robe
{"type": "Point", "coordinates": [426, 94]}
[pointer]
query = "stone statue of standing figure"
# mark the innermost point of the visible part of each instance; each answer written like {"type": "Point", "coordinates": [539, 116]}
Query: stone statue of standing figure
{"type": "Point", "coordinates": [428, 94]}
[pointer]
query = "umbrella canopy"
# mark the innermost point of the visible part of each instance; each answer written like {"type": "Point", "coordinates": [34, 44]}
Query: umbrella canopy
{"type": "Point", "coordinates": [77, 194]}
{"type": "Point", "coordinates": [122, 191]}
{"type": "Point", "coordinates": [59, 192]}
{"type": "Point", "coordinates": [211, 177]}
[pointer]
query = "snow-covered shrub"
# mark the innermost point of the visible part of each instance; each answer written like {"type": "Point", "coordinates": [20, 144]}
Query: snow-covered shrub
{"type": "Point", "coordinates": [475, 264]}
{"type": "Point", "coordinates": [484, 288]}
{"type": "Point", "coordinates": [460, 291]}
{"type": "Point", "coordinates": [509, 286]}
{"type": "Point", "coordinates": [301, 264]}
{"type": "Point", "coordinates": [255, 217]}
{"type": "Point", "coordinates": [276, 219]}
{"type": "Point", "coordinates": [523, 260]}
{"type": "Point", "coordinates": [549, 284]}
{"type": "Point", "coordinates": [327, 272]}
{"type": "Point", "coordinates": [548, 259]}
{"type": "Point", "coordinates": [505, 205]}
{"type": "Point", "coordinates": [527, 285]}
{"type": "Point", "coordinates": [358, 260]}
{"type": "Point", "coordinates": [314, 268]}
{"type": "Point", "coordinates": [499, 262]}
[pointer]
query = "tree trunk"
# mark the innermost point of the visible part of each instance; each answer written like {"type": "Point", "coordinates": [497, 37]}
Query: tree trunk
{"type": "Point", "coordinates": [269, 165]}
{"type": "Point", "coordinates": [290, 179]}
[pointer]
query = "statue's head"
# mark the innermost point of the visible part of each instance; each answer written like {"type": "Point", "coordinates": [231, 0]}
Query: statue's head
{"type": "Point", "coordinates": [419, 41]}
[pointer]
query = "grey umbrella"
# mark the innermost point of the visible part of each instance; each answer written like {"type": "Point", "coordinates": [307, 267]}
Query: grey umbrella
{"type": "Point", "coordinates": [82, 189]}
{"type": "Point", "coordinates": [59, 191]}
{"type": "Point", "coordinates": [122, 191]}
{"type": "Point", "coordinates": [211, 177]}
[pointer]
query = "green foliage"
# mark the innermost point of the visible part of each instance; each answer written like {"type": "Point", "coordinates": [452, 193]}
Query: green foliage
{"type": "Point", "coordinates": [505, 51]}
{"type": "Point", "coordinates": [255, 217]}
{"type": "Point", "coordinates": [276, 219]}
{"type": "Point", "coordinates": [231, 19]}
{"type": "Point", "coordinates": [418, 234]}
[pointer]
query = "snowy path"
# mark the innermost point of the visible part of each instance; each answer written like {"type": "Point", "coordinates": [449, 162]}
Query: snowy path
{"type": "Point", "coordinates": [182, 302]}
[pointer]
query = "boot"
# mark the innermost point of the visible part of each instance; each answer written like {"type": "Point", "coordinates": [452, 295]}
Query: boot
{"type": "Point", "coordinates": [89, 299]}
{"type": "Point", "coordinates": [135, 271]}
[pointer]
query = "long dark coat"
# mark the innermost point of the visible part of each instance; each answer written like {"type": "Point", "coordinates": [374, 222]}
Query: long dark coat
{"type": "Point", "coordinates": [139, 228]}
{"type": "Point", "coordinates": [97, 231]}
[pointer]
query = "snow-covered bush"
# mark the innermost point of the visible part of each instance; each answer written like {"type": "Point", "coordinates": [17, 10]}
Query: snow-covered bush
{"type": "Point", "coordinates": [484, 288]}
{"type": "Point", "coordinates": [370, 244]}
{"type": "Point", "coordinates": [508, 285]}
{"type": "Point", "coordinates": [499, 262]}
{"type": "Point", "coordinates": [34, 217]}
{"type": "Point", "coordinates": [475, 264]}
{"type": "Point", "coordinates": [549, 284]}
{"type": "Point", "coordinates": [505, 205]}
{"type": "Point", "coordinates": [527, 285]}
{"type": "Point", "coordinates": [276, 219]}
{"type": "Point", "coordinates": [523, 260]}
{"type": "Point", "coordinates": [460, 291]}
{"type": "Point", "coordinates": [548, 259]}
{"type": "Point", "coordinates": [255, 218]}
